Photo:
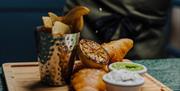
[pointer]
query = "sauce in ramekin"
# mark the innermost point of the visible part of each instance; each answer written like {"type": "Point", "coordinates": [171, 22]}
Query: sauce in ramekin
{"type": "Point", "coordinates": [123, 78]}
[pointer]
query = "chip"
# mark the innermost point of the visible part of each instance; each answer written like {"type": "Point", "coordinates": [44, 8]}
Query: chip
{"type": "Point", "coordinates": [47, 22]}
{"type": "Point", "coordinates": [60, 28]}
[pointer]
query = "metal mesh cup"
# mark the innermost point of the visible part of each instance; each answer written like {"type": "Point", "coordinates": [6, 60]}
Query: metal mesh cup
{"type": "Point", "coordinates": [56, 56]}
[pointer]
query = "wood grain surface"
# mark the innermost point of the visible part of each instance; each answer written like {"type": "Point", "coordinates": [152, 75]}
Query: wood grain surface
{"type": "Point", "coordinates": [25, 76]}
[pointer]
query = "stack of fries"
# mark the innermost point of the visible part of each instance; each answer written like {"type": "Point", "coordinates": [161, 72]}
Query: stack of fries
{"type": "Point", "coordinates": [70, 23]}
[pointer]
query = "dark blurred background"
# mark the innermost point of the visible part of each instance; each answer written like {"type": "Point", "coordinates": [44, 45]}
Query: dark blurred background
{"type": "Point", "coordinates": [19, 18]}
{"type": "Point", "coordinates": [18, 21]}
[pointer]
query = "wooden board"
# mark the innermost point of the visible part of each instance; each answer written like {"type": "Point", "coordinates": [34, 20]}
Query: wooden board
{"type": "Point", "coordinates": [24, 76]}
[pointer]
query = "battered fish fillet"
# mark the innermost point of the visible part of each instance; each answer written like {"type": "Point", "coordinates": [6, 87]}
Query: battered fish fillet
{"type": "Point", "coordinates": [117, 49]}
{"type": "Point", "coordinates": [88, 80]}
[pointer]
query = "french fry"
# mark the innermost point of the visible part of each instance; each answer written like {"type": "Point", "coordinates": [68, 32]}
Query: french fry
{"type": "Point", "coordinates": [47, 22]}
{"type": "Point", "coordinates": [78, 27]}
{"type": "Point", "coordinates": [75, 18]}
{"type": "Point", "coordinates": [54, 17]}
{"type": "Point", "coordinates": [60, 28]}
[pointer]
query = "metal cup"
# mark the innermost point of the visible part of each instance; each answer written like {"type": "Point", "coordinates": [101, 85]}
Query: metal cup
{"type": "Point", "coordinates": [56, 56]}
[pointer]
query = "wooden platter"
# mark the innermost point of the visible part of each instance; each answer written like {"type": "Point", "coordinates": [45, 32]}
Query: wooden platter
{"type": "Point", "coordinates": [24, 76]}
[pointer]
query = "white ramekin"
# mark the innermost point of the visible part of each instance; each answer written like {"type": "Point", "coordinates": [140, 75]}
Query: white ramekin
{"type": "Point", "coordinates": [112, 86]}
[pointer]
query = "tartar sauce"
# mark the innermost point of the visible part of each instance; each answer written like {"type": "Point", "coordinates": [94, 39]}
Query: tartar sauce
{"type": "Point", "coordinates": [123, 78]}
